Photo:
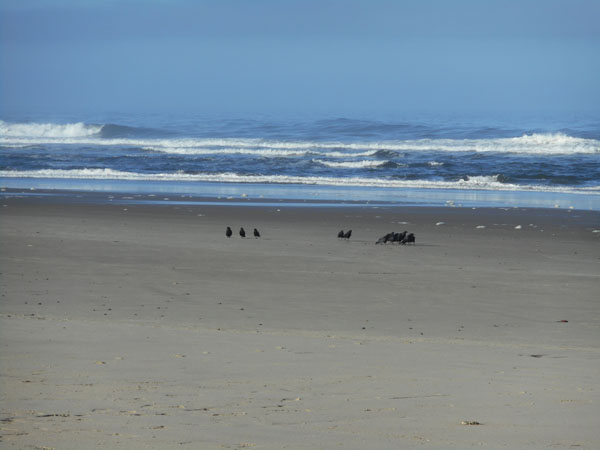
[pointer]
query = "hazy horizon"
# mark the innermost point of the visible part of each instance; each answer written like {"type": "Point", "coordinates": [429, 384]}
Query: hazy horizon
{"type": "Point", "coordinates": [343, 58]}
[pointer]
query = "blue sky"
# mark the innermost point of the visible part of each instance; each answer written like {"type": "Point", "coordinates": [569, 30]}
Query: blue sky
{"type": "Point", "coordinates": [314, 56]}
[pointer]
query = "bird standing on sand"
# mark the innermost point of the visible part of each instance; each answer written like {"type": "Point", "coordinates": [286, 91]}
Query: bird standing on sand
{"type": "Point", "coordinates": [401, 236]}
{"type": "Point", "coordinates": [348, 234]}
{"type": "Point", "coordinates": [408, 239]}
{"type": "Point", "coordinates": [385, 239]}
{"type": "Point", "coordinates": [256, 233]}
{"type": "Point", "coordinates": [341, 234]}
{"type": "Point", "coordinates": [242, 232]}
{"type": "Point", "coordinates": [228, 233]}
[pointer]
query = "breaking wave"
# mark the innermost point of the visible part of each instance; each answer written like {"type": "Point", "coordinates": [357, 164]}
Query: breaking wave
{"type": "Point", "coordinates": [39, 133]}
{"type": "Point", "coordinates": [26, 134]}
{"type": "Point", "coordinates": [47, 130]}
{"type": "Point", "coordinates": [352, 164]}
{"type": "Point", "coordinates": [492, 182]}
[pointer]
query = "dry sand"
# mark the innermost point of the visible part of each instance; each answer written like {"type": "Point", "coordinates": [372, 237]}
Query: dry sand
{"type": "Point", "coordinates": [142, 326]}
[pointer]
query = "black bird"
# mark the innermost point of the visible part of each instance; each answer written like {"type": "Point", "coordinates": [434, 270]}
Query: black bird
{"type": "Point", "coordinates": [401, 237]}
{"type": "Point", "coordinates": [408, 239]}
{"type": "Point", "coordinates": [228, 233]}
{"type": "Point", "coordinates": [341, 234]}
{"type": "Point", "coordinates": [256, 233]}
{"type": "Point", "coordinates": [347, 234]}
{"type": "Point", "coordinates": [242, 232]}
{"type": "Point", "coordinates": [386, 238]}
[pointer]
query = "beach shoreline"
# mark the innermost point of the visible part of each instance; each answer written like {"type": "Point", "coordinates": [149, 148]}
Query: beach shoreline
{"type": "Point", "coordinates": [312, 194]}
{"type": "Point", "coordinates": [128, 323]}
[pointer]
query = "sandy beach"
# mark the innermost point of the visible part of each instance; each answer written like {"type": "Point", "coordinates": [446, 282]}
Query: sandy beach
{"type": "Point", "coordinates": [141, 326]}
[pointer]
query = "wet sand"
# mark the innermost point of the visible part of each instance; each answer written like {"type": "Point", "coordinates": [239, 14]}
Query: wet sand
{"type": "Point", "coordinates": [143, 326]}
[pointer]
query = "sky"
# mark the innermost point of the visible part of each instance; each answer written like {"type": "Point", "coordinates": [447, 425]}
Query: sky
{"type": "Point", "coordinates": [310, 56]}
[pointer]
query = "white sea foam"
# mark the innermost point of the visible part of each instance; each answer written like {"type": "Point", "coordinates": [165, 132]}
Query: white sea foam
{"type": "Point", "coordinates": [479, 182]}
{"type": "Point", "coordinates": [194, 146]}
{"type": "Point", "coordinates": [25, 134]}
{"type": "Point", "coordinates": [244, 148]}
{"type": "Point", "coordinates": [199, 150]}
{"type": "Point", "coordinates": [248, 147]}
{"type": "Point", "coordinates": [351, 164]}
{"type": "Point", "coordinates": [552, 143]}
{"type": "Point", "coordinates": [47, 130]}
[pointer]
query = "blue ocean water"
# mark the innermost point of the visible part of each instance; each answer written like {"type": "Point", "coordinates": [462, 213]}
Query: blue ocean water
{"type": "Point", "coordinates": [423, 159]}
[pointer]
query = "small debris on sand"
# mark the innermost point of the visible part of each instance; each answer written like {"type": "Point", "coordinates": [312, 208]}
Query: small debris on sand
{"type": "Point", "coordinates": [470, 422]}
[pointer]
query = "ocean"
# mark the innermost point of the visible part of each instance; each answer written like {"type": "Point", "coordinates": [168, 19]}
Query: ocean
{"type": "Point", "coordinates": [422, 160]}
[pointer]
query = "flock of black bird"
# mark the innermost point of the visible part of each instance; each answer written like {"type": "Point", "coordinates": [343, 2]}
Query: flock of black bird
{"type": "Point", "coordinates": [401, 238]}
{"type": "Point", "coordinates": [346, 235]}
{"type": "Point", "coordinates": [229, 233]}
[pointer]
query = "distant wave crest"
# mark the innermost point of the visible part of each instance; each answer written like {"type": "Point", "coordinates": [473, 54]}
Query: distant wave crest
{"type": "Point", "coordinates": [47, 130]}
{"type": "Point", "coordinates": [25, 134]}
{"type": "Point", "coordinates": [537, 144]}
{"type": "Point", "coordinates": [114, 131]}
{"type": "Point", "coordinates": [351, 164]}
